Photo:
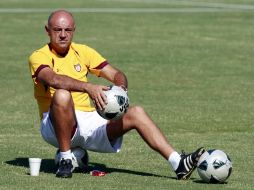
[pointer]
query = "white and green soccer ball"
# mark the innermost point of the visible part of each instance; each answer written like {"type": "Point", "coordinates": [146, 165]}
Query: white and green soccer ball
{"type": "Point", "coordinates": [79, 158]}
{"type": "Point", "coordinates": [214, 166]}
{"type": "Point", "coordinates": [118, 103]}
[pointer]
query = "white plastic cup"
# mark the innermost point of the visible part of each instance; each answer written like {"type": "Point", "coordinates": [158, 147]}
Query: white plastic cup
{"type": "Point", "coordinates": [34, 165]}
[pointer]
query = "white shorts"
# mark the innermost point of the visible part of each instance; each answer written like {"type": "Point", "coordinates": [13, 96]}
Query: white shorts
{"type": "Point", "coordinates": [90, 133]}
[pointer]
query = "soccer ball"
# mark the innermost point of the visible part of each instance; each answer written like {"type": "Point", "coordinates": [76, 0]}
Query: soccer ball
{"type": "Point", "coordinates": [214, 166]}
{"type": "Point", "coordinates": [118, 103]}
{"type": "Point", "coordinates": [79, 158]}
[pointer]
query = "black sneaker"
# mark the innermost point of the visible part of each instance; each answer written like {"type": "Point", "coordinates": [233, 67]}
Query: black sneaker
{"type": "Point", "coordinates": [65, 168]}
{"type": "Point", "coordinates": [188, 163]}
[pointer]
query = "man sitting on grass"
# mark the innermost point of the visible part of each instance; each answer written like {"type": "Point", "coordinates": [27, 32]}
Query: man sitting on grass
{"type": "Point", "coordinates": [63, 93]}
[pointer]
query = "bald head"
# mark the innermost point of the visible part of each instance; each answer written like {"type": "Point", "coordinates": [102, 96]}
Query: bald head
{"type": "Point", "coordinates": [60, 15]}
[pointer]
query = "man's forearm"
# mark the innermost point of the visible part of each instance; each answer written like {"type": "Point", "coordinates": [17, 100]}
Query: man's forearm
{"type": "Point", "coordinates": [68, 83]}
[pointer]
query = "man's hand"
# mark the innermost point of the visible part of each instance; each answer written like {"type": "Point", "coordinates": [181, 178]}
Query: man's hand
{"type": "Point", "coordinates": [97, 95]}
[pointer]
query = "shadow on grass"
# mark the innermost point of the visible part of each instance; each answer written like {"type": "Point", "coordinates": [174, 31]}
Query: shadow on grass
{"type": "Point", "coordinates": [103, 167]}
{"type": "Point", "coordinates": [215, 183]}
{"type": "Point", "coordinates": [48, 166]}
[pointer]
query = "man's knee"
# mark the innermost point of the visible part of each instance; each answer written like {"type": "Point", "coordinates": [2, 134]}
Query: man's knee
{"type": "Point", "coordinates": [135, 112]}
{"type": "Point", "coordinates": [62, 97]}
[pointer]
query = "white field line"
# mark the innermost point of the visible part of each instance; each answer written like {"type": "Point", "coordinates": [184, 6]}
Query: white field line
{"type": "Point", "coordinates": [19, 135]}
{"type": "Point", "coordinates": [127, 10]}
{"type": "Point", "coordinates": [217, 5]}
{"type": "Point", "coordinates": [191, 3]}
{"type": "Point", "coordinates": [195, 7]}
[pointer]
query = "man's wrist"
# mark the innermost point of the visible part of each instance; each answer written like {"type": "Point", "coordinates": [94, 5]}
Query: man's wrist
{"type": "Point", "coordinates": [85, 86]}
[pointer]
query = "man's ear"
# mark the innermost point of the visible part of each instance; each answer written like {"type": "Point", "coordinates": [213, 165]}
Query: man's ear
{"type": "Point", "coordinates": [47, 29]}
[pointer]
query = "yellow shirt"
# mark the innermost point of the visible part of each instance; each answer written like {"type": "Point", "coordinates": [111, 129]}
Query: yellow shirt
{"type": "Point", "coordinates": [80, 60]}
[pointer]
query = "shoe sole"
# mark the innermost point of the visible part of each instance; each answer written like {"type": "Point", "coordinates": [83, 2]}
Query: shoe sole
{"type": "Point", "coordinates": [187, 175]}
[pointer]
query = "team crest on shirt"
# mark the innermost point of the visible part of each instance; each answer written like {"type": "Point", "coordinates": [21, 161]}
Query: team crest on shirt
{"type": "Point", "coordinates": [77, 67]}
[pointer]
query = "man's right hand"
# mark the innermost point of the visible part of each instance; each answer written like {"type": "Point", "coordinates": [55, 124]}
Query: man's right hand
{"type": "Point", "coordinates": [97, 95]}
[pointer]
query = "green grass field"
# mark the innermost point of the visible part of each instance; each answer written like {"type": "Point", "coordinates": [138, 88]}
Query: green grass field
{"type": "Point", "coordinates": [190, 66]}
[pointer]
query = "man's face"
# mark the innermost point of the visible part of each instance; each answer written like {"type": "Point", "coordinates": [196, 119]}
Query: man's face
{"type": "Point", "coordinates": [60, 30]}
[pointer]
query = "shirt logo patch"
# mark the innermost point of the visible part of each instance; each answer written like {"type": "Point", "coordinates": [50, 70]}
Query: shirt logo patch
{"type": "Point", "coordinates": [77, 67]}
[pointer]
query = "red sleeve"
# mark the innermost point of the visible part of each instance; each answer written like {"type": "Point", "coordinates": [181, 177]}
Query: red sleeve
{"type": "Point", "coordinates": [35, 75]}
{"type": "Point", "coordinates": [102, 65]}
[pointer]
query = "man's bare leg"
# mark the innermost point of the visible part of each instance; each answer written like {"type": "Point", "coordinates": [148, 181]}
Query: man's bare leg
{"type": "Point", "coordinates": [62, 115]}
